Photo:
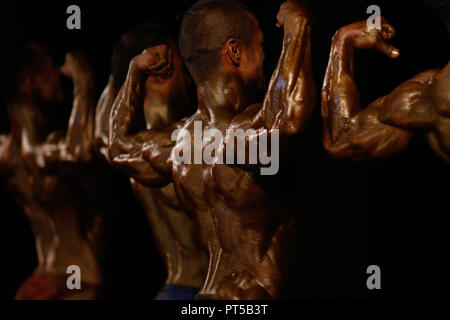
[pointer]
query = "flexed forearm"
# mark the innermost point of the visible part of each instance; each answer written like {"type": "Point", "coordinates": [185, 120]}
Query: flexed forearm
{"type": "Point", "coordinates": [340, 97]}
{"type": "Point", "coordinates": [290, 97]}
{"type": "Point", "coordinates": [123, 117]}
{"type": "Point", "coordinates": [73, 146]}
{"type": "Point", "coordinates": [80, 131]}
{"type": "Point", "coordinates": [102, 116]}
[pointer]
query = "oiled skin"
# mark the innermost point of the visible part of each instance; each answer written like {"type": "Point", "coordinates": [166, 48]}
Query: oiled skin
{"type": "Point", "coordinates": [244, 234]}
{"type": "Point", "coordinates": [46, 177]}
{"type": "Point", "coordinates": [175, 234]}
{"type": "Point", "coordinates": [419, 106]}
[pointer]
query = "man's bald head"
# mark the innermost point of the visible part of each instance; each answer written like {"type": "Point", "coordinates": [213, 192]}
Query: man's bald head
{"type": "Point", "coordinates": [206, 27]}
{"type": "Point", "coordinates": [22, 58]}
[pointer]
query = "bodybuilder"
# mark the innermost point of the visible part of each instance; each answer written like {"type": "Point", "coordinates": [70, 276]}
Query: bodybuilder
{"type": "Point", "coordinates": [47, 173]}
{"type": "Point", "coordinates": [164, 100]}
{"type": "Point", "coordinates": [222, 46]}
{"type": "Point", "coordinates": [419, 106]}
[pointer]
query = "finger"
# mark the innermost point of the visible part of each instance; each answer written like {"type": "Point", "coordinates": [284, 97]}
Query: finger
{"type": "Point", "coordinates": [387, 31]}
{"type": "Point", "coordinates": [161, 67]}
{"type": "Point", "coordinates": [388, 49]}
{"type": "Point", "coordinates": [280, 15]}
{"type": "Point", "coordinates": [159, 50]}
{"type": "Point", "coordinates": [164, 49]}
{"type": "Point", "coordinates": [148, 59]}
{"type": "Point", "coordinates": [158, 63]}
{"type": "Point", "coordinates": [279, 20]}
{"type": "Point", "coordinates": [164, 70]}
{"type": "Point", "coordinates": [65, 69]}
{"type": "Point", "coordinates": [163, 53]}
{"type": "Point", "coordinates": [155, 54]}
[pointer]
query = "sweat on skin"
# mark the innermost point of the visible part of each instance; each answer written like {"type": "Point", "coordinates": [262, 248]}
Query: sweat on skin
{"type": "Point", "coordinates": [209, 146]}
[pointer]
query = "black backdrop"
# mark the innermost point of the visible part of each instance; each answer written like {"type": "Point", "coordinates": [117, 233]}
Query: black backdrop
{"type": "Point", "coordinates": [393, 213]}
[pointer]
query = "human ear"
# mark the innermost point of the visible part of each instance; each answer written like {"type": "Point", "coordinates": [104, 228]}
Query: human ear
{"type": "Point", "coordinates": [234, 51]}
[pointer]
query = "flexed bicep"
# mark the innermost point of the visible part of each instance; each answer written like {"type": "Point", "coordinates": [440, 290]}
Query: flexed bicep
{"type": "Point", "coordinates": [364, 137]}
{"type": "Point", "coordinates": [126, 146]}
{"type": "Point", "coordinates": [349, 131]}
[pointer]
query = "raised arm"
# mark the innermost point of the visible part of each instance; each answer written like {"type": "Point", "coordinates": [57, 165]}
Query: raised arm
{"type": "Point", "coordinates": [102, 115]}
{"type": "Point", "coordinates": [349, 131]}
{"type": "Point", "coordinates": [290, 97]}
{"type": "Point", "coordinates": [151, 166]}
{"type": "Point", "coordinates": [76, 144]}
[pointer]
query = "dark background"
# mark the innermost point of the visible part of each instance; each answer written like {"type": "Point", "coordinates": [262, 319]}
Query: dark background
{"type": "Point", "coordinates": [392, 213]}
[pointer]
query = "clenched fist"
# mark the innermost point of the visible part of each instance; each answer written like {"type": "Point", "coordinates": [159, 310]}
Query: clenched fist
{"type": "Point", "coordinates": [371, 38]}
{"type": "Point", "coordinates": [155, 61]}
{"type": "Point", "coordinates": [291, 12]}
{"type": "Point", "coordinates": [75, 66]}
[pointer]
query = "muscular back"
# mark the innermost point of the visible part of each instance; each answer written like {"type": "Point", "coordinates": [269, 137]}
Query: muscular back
{"type": "Point", "coordinates": [232, 205]}
{"type": "Point", "coordinates": [66, 228]}
{"type": "Point", "coordinates": [238, 221]}
{"type": "Point", "coordinates": [175, 235]}
{"type": "Point", "coordinates": [54, 179]}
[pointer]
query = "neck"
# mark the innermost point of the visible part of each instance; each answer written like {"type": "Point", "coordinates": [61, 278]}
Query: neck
{"type": "Point", "coordinates": [157, 110]}
{"type": "Point", "coordinates": [220, 99]}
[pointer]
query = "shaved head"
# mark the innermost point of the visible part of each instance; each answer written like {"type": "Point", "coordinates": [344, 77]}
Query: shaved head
{"type": "Point", "coordinates": [206, 27]}
{"type": "Point", "coordinates": [18, 57]}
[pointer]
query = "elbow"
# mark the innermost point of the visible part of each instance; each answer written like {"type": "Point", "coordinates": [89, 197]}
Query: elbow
{"type": "Point", "coordinates": [334, 153]}
{"type": "Point", "coordinates": [114, 144]}
{"type": "Point", "coordinates": [330, 149]}
{"type": "Point", "coordinates": [101, 143]}
{"type": "Point", "coordinates": [338, 149]}
{"type": "Point", "coordinates": [298, 123]}
{"type": "Point", "coordinates": [291, 129]}
{"type": "Point", "coordinates": [119, 162]}
{"type": "Point", "coordinates": [141, 173]}
{"type": "Point", "coordinates": [113, 153]}
{"type": "Point", "coordinates": [152, 181]}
